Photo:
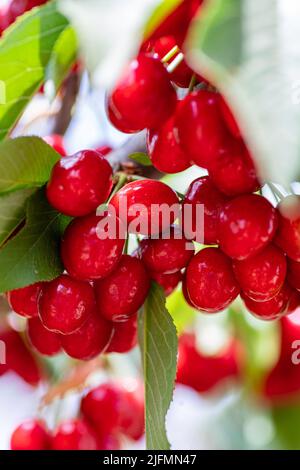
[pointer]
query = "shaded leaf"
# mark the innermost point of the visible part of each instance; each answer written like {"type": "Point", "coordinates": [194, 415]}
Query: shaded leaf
{"type": "Point", "coordinates": [12, 212]}
{"type": "Point", "coordinates": [141, 158]}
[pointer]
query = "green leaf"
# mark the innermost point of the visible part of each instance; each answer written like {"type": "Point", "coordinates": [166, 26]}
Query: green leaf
{"type": "Point", "coordinates": [25, 51]}
{"type": "Point", "coordinates": [33, 254]}
{"type": "Point", "coordinates": [141, 158]}
{"type": "Point", "coordinates": [12, 212]}
{"type": "Point", "coordinates": [159, 344]}
{"type": "Point", "coordinates": [246, 48]}
{"type": "Point", "coordinates": [25, 162]}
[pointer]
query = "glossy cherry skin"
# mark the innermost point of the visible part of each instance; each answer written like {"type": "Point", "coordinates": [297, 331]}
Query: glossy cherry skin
{"type": "Point", "coordinates": [293, 275]}
{"type": "Point", "coordinates": [210, 281]}
{"type": "Point", "coordinates": [57, 142]}
{"type": "Point", "coordinates": [86, 253]}
{"type": "Point", "coordinates": [164, 149]}
{"type": "Point", "coordinates": [182, 74]}
{"type": "Point", "coordinates": [30, 435]}
{"type": "Point", "coordinates": [167, 255]}
{"type": "Point", "coordinates": [44, 341]}
{"type": "Point", "coordinates": [65, 304]}
{"type": "Point", "coordinates": [124, 337]}
{"type": "Point", "coordinates": [80, 183]}
{"type": "Point", "coordinates": [168, 282]}
{"type": "Point", "coordinates": [102, 407]}
{"type": "Point", "coordinates": [203, 373]}
{"type": "Point", "coordinates": [143, 98]}
{"type": "Point", "coordinates": [140, 199]}
{"type": "Point", "coordinates": [74, 434]}
{"type": "Point", "coordinates": [90, 340]}
{"type": "Point", "coordinates": [124, 291]}
{"type": "Point", "coordinates": [200, 127]}
{"type": "Point", "coordinates": [202, 191]}
{"type": "Point", "coordinates": [230, 119]}
{"type": "Point", "coordinates": [246, 225]}
{"type": "Point", "coordinates": [271, 309]}
{"type": "Point", "coordinates": [104, 150]}
{"type": "Point", "coordinates": [132, 422]}
{"type": "Point", "coordinates": [24, 301]}
{"type": "Point", "coordinates": [233, 171]}
{"type": "Point", "coordinates": [262, 276]}
{"type": "Point", "coordinates": [288, 234]}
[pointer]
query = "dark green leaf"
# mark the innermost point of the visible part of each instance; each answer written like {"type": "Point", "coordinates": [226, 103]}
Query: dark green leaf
{"type": "Point", "coordinates": [159, 344]}
{"type": "Point", "coordinates": [141, 158]}
{"type": "Point", "coordinates": [12, 212]}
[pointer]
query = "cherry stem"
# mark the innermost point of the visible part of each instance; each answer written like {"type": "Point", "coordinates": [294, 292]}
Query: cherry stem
{"type": "Point", "coordinates": [192, 82]}
{"type": "Point", "coordinates": [170, 54]}
{"type": "Point", "coordinates": [174, 64]}
{"type": "Point", "coordinates": [121, 180]}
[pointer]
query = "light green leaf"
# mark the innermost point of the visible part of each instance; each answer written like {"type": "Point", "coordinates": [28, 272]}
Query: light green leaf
{"type": "Point", "coordinates": [25, 51]}
{"type": "Point", "coordinates": [141, 158]}
{"type": "Point", "coordinates": [159, 343]}
{"type": "Point", "coordinates": [12, 212]}
{"type": "Point", "coordinates": [33, 254]}
{"type": "Point", "coordinates": [248, 50]}
{"type": "Point", "coordinates": [25, 162]}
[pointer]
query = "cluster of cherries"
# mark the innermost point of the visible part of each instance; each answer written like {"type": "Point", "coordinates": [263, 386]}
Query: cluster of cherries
{"type": "Point", "coordinates": [107, 413]}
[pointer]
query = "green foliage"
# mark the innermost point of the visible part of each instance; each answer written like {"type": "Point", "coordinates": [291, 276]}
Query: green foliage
{"type": "Point", "coordinates": [141, 158]}
{"type": "Point", "coordinates": [12, 212]}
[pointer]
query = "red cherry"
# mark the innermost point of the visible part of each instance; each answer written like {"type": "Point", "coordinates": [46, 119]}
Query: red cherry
{"type": "Point", "coordinates": [200, 127]}
{"type": "Point", "coordinates": [167, 255]}
{"type": "Point", "coordinates": [90, 340]}
{"type": "Point", "coordinates": [230, 119]}
{"type": "Point", "coordinates": [202, 372]}
{"type": "Point", "coordinates": [182, 74]}
{"type": "Point", "coordinates": [164, 150]}
{"type": "Point", "coordinates": [24, 301]}
{"type": "Point", "coordinates": [288, 234]}
{"type": "Point", "coordinates": [210, 281]}
{"type": "Point", "coordinates": [57, 142]}
{"type": "Point", "coordinates": [141, 200]}
{"type": "Point", "coordinates": [168, 282]}
{"type": "Point", "coordinates": [203, 191]}
{"type": "Point", "coordinates": [30, 435]}
{"type": "Point", "coordinates": [270, 309]}
{"type": "Point", "coordinates": [247, 224]}
{"type": "Point", "coordinates": [108, 441]}
{"type": "Point", "coordinates": [102, 406]}
{"type": "Point", "coordinates": [293, 275]}
{"type": "Point", "coordinates": [294, 302]}
{"type": "Point", "coordinates": [143, 98]}
{"type": "Point", "coordinates": [124, 337]}
{"type": "Point", "coordinates": [233, 171]}
{"type": "Point", "coordinates": [186, 294]}
{"type": "Point", "coordinates": [124, 291]}
{"type": "Point", "coordinates": [85, 251]}
{"type": "Point", "coordinates": [104, 150]}
{"type": "Point", "coordinates": [80, 183]}
{"type": "Point", "coordinates": [262, 276]}
{"type": "Point", "coordinates": [74, 434]}
{"type": "Point", "coordinates": [65, 304]}
{"type": "Point", "coordinates": [132, 422]}
{"type": "Point", "coordinates": [44, 341]}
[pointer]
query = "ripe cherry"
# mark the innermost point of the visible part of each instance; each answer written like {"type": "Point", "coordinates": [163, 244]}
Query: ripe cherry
{"type": "Point", "coordinates": [108, 441]}
{"type": "Point", "coordinates": [143, 98]}
{"type": "Point", "coordinates": [230, 119]}
{"type": "Point", "coordinates": [104, 150]}
{"type": "Point", "coordinates": [247, 224]}
{"type": "Point", "coordinates": [202, 372]}
{"type": "Point", "coordinates": [164, 149]}
{"type": "Point", "coordinates": [137, 205]}
{"type": "Point", "coordinates": [57, 142]}
{"type": "Point", "coordinates": [210, 281]}
{"type": "Point", "coordinates": [124, 291]}
{"type": "Point", "coordinates": [90, 340]}
{"type": "Point", "coordinates": [288, 234]}
{"type": "Point", "coordinates": [293, 275]}
{"type": "Point", "coordinates": [30, 435]}
{"type": "Point", "coordinates": [65, 304]}
{"type": "Point", "coordinates": [200, 127]}
{"type": "Point", "coordinates": [124, 337]}
{"type": "Point", "coordinates": [262, 276]}
{"type": "Point", "coordinates": [132, 421]}
{"type": "Point", "coordinates": [168, 282]}
{"type": "Point", "coordinates": [24, 301]}
{"type": "Point", "coordinates": [88, 251]}
{"type": "Point", "coordinates": [44, 341]}
{"type": "Point", "coordinates": [80, 183]}
{"type": "Point", "coordinates": [203, 191]}
{"type": "Point", "coordinates": [233, 171]}
{"type": "Point", "coordinates": [270, 309]}
{"type": "Point", "coordinates": [74, 434]}
{"type": "Point", "coordinates": [102, 406]}
{"type": "Point", "coordinates": [167, 255]}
